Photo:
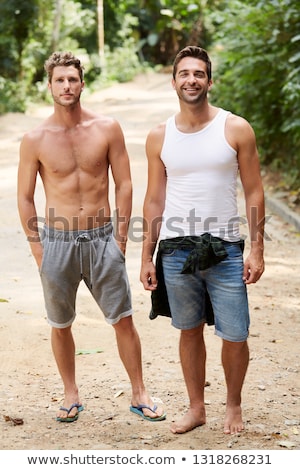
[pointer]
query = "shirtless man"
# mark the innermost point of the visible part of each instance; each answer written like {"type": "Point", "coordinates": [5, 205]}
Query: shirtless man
{"type": "Point", "coordinates": [73, 151]}
{"type": "Point", "coordinates": [193, 162]}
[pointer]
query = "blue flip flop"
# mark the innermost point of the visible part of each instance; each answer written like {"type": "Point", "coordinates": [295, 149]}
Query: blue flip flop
{"type": "Point", "coordinates": [70, 419]}
{"type": "Point", "coordinates": [139, 411]}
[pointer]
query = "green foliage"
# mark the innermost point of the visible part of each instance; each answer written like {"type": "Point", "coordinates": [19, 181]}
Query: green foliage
{"type": "Point", "coordinates": [16, 16]}
{"type": "Point", "coordinates": [121, 65]}
{"type": "Point", "coordinates": [166, 26]}
{"type": "Point", "coordinates": [255, 55]}
{"type": "Point", "coordinates": [257, 75]}
{"type": "Point", "coordinates": [162, 26]}
{"type": "Point", "coordinates": [12, 98]}
{"type": "Point", "coordinates": [76, 23]}
{"type": "Point", "coordinates": [136, 32]}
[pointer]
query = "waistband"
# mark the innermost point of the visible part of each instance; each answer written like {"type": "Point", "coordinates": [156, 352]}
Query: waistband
{"type": "Point", "coordinates": [190, 241]}
{"type": "Point", "coordinates": [206, 250]}
{"type": "Point", "coordinates": [87, 235]}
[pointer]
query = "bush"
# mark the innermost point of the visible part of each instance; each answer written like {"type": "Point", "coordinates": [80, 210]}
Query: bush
{"type": "Point", "coordinates": [257, 76]}
{"type": "Point", "coordinates": [12, 97]}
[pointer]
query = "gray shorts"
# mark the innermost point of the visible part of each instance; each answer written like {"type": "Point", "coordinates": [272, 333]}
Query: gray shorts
{"type": "Point", "coordinates": [91, 255]}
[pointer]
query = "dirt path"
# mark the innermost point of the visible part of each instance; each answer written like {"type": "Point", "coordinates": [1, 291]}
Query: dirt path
{"type": "Point", "coordinates": [30, 386]}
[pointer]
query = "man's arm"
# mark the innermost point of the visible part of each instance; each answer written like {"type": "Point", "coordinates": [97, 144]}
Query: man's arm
{"type": "Point", "coordinates": [120, 167]}
{"type": "Point", "coordinates": [154, 204]}
{"type": "Point", "coordinates": [254, 197]}
{"type": "Point", "coordinates": [27, 174]}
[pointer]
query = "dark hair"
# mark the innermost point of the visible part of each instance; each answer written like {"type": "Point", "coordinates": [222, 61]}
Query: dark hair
{"type": "Point", "coordinates": [62, 59]}
{"type": "Point", "coordinates": [197, 53]}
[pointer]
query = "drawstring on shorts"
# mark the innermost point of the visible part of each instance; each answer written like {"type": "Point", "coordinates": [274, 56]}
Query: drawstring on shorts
{"type": "Point", "coordinates": [82, 238]}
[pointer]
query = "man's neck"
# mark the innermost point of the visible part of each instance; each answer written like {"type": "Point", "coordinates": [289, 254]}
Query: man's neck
{"type": "Point", "coordinates": [68, 116]}
{"type": "Point", "coordinates": [194, 117]}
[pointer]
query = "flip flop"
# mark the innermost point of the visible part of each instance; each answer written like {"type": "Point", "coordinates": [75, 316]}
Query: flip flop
{"type": "Point", "coordinates": [70, 419]}
{"type": "Point", "coordinates": [139, 411]}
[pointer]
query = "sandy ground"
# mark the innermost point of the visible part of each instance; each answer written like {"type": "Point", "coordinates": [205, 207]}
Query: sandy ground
{"type": "Point", "coordinates": [31, 389]}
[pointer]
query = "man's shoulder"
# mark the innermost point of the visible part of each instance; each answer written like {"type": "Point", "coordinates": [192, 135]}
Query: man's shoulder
{"type": "Point", "coordinates": [234, 118]}
{"type": "Point", "coordinates": [157, 133]}
{"type": "Point", "coordinates": [98, 118]}
{"type": "Point", "coordinates": [159, 129]}
{"type": "Point", "coordinates": [238, 130]}
{"type": "Point", "coordinates": [37, 132]}
{"type": "Point", "coordinates": [237, 122]}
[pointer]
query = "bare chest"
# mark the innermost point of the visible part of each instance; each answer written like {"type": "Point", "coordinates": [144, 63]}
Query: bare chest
{"type": "Point", "coordinates": [64, 152]}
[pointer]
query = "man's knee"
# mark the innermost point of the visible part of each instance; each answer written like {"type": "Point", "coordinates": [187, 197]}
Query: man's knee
{"type": "Point", "coordinates": [124, 323]}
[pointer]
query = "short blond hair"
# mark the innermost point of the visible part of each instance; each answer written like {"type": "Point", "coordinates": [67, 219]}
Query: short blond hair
{"type": "Point", "coordinates": [62, 59]}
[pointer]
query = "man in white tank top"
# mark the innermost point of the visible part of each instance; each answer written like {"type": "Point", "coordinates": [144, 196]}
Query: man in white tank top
{"type": "Point", "coordinates": [190, 208]}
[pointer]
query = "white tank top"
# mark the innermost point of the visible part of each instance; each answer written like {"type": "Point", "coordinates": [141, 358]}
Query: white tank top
{"type": "Point", "coordinates": [201, 170]}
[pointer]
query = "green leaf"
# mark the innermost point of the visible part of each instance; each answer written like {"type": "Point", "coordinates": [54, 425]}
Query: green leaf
{"type": "Point", "coordinates": [87, 351]}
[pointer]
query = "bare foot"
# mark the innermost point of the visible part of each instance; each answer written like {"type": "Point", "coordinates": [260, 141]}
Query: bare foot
{"type": "Point", "coordinates": [233, 420]}
{"type": "Point", "coordinates": [189, 421]}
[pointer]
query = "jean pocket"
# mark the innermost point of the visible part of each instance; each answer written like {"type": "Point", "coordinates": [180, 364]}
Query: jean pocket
{"type": "Point", "coordinates": [168, 252]}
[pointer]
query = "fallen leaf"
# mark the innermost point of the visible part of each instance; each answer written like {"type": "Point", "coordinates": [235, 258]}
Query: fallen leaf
{"type": "Point", "coordinates": [108, 418]}
{"type": "Point", "coordinates": [156, 400]}
{"type": "Point", "coordinates": [87, 351]}
{"type": "Point", "coordinates": [287, 444]}
{"type": "Point", "coordinates": [15, 421]}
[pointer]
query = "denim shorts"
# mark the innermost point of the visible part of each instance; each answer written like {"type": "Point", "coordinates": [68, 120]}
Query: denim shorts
{"type": "Point", "coordinates": [226, 288]}
{"type": "Point", "coordinates": [89, 255]}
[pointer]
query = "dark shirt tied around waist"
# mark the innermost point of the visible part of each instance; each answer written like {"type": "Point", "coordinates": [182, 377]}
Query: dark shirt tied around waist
{"type": "Point", "coordinates": [206, 251]}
